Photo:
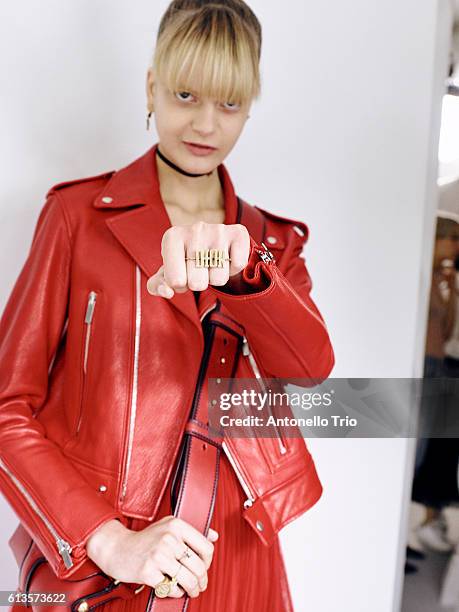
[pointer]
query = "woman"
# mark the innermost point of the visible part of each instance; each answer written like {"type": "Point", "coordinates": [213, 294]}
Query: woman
{"type": "Point", "coordinates": [435, 477]}
{"type": "Point", "coordinates": [104, 348]}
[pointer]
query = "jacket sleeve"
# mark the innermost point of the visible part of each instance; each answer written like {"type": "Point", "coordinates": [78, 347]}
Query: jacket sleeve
{"type": "Point", "coordinates": [51, 498]}
{"type": "Point", "coordinates": [284, 328]}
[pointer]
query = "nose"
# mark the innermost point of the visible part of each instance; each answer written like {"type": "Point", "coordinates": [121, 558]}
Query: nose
{"type": "Point", "coordinates": [205, 118]}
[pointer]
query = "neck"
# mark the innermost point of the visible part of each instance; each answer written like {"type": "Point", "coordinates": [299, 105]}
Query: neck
{"type": "Point", "coordinates": [191, 194]}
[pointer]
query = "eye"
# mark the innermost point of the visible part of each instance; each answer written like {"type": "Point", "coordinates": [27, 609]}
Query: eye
{"type": "Point", "coordinates": [179, 95]}
{"type": "Point", "coordinates": [232, 105]}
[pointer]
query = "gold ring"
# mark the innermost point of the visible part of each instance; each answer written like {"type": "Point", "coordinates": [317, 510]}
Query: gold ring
{"type": "Point", "coordinates": [209, 258]}
{"type": "Point", "coordinates": [163, 588]}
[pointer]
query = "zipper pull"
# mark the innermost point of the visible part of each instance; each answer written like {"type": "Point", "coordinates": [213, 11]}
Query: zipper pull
{"type": "Point", "coordinates": [90, 307]}
{"type": "Point", "coordinates": [64, 551]}
{"type": "Point", "coordinates": [250, 497]}
{"type": "Point", "coordinates": [248, 353]}
{"type": "Point", "coordinates": [266, 254]}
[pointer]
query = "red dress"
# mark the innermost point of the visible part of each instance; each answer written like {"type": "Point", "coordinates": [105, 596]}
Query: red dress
{"type": "Point", "coordinates": [244, 576]}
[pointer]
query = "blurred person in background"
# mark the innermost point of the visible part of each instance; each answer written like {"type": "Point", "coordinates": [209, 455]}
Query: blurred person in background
{"type": "Point", "coordinates": [435, 475]}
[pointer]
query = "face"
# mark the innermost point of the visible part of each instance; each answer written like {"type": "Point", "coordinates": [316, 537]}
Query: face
{"type": "Point", "coordinates": [445, 248]}
{"type": "Point", "coordinates": [183, 117]}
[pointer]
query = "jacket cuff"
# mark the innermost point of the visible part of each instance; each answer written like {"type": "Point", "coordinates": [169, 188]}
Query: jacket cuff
{"type": "Point", "coordinates": [254, 278]}
{"type": "Point", "coordinates": [274, 314]}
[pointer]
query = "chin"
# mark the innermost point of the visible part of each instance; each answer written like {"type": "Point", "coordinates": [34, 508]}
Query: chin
{"type": "Point", "coordinates": [195, 168]}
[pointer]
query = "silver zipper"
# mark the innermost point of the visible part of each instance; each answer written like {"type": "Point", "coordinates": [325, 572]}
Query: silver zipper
{"type": "Point", "coordinates": [132, 412]}
{"type": "Point", "coordinates": [248, 353]}
{"type": "Point", "coordinates": [63, 546]}
{"type": "Point", "coordinates": [88, 321]}
{"type": "Point", "coordinates": [135, 378]}
{"type": "Point", "coordinates": [247, 490]}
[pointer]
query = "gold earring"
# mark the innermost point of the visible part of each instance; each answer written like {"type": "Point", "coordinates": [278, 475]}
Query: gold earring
{"type": "Point", "coordinates": [148, 120]}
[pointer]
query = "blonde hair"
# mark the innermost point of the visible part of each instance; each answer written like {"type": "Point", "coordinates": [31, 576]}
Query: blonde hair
{"type": "Point", "coordinates": [210, 48]}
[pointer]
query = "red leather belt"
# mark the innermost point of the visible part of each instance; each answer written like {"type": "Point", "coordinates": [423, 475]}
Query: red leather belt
{"type": "Point", "coordinates": [195, 482]}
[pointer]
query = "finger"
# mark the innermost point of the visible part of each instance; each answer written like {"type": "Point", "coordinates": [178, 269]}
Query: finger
{"type": "Point", "coordinates": [239, 248]}
{"type": "Point", "coordinates": [186, 579]}
{"type": "Point", "coordinates": [197, 277]}
{"type": "Point", "coordinates": [173, 254]}
{"type": "Point", "coordinates": [156, 577]}
{"type": "Point", "coordinates": [212, 535]}
{"type": "Point", "coordinates": [194, 539]}
{"type": "Point", "coordinates": [220, 276]}
{"type": "Point", "coordinates": [192, 562]}
{"type": "Point", "coordinates": [156, 285]}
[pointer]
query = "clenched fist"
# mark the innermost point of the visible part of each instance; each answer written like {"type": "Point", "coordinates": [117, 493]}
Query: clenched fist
{"type": "Point", "coordinates": [180, 241]}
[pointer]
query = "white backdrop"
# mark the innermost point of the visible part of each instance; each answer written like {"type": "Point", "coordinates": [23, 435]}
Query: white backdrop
{"type": "Point", "coordinates": [344, 137]}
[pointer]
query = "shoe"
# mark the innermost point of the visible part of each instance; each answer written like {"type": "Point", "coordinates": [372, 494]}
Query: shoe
{"type": "Point", "coordinates": [413, 553]}
{"type": "Point", "coordinates": [433, 536]}
{"type": "Point", "coordinates": [410, 568]}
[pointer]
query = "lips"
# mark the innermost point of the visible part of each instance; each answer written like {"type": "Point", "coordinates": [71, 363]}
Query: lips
{"type": "Point", "coordinates": [201, 146]}
{"type": "Point", "coordinates": [199, 150]}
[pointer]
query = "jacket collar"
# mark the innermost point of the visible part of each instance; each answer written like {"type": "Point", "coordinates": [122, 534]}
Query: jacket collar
{"type": "Point", "coordinates": [139, 230]}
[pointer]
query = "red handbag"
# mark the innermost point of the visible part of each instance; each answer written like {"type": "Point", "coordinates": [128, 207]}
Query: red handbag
{"type": "Point", "coordinates": [88, 587]}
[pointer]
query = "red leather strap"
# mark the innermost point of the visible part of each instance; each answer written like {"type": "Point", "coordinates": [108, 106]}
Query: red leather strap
{"type": "Point", "coordinates": [202, 446]}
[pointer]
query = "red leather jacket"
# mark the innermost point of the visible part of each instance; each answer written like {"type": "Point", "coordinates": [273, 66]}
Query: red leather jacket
{"type": "Point", "coordinates": [97, 375]}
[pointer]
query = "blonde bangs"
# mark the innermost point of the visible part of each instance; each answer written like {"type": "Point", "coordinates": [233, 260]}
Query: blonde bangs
{"type": "Point", "coordinates": [213, 56]}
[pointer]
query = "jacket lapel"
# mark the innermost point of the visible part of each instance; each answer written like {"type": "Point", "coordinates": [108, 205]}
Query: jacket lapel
{"type": "Point", "coordinates": [139, 230]}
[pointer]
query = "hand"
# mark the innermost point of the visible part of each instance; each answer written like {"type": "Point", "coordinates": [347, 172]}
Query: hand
{"type": "Point", "coordinates": [179, 241]}
{"type": "Point", "coordinates": [144, 557]}
{"type": "Point", "coordinates": [444, 277]}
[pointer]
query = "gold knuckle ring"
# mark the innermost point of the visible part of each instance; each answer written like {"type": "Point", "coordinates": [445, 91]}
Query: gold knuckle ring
{"type": "Point", "coordinates": [209, 258]}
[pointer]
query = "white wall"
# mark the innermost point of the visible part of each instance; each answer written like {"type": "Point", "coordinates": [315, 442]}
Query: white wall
{"type": "Point", "coordinates": [344, 137]}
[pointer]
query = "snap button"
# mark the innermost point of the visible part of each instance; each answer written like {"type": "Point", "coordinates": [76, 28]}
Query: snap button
{"type": "Point", "coordinates": [271, 239]}
{"type": "Point", "coordinates": [102, 488]}
{"type": "Point", "coordinates": [259, 525]}
{"type": "Point", "coordinates": [213, 402]}
{"type": "Point", "coordinates": [107, 199]}
{"type": "Point", "coordinates": [219, 380]}
{"type": "Point", "coordinates": [83, 607]}
{"type": "Point", "coordinates": [222, 360]}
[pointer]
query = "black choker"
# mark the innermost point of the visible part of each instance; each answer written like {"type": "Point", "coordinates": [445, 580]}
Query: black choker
{"type": "Point", "coordinates": [172, 165]}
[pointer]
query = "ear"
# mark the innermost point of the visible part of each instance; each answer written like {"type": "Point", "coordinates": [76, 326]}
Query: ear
{"type": "Point", "coordinates": [149, 85]}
